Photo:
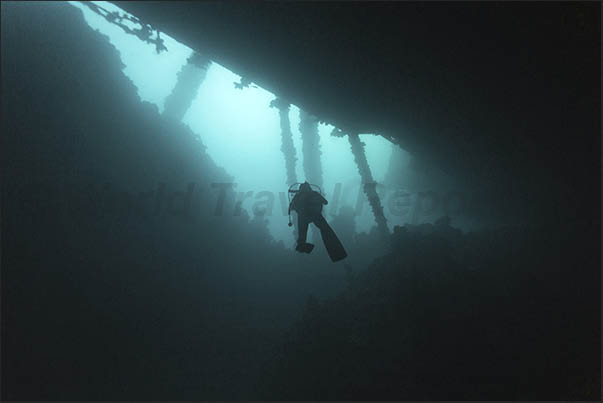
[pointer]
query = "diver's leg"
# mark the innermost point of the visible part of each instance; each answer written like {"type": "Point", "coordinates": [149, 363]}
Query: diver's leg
{"type": "Point", "coordinates": [321, 223]}
{"type": "Point", "coordinates": [333, 245]}
{"type": "Point", "coordinates": [302, 229]}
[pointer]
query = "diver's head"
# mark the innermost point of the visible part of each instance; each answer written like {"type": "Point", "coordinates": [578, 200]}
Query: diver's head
{"type": "Point", "coordinates": [305, 187]}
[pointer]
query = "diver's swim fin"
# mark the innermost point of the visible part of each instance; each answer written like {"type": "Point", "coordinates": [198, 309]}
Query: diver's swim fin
{"type": "Point", "coordinates": [304, 247]}
{"type": "Point", "coordinates": [333, 244]}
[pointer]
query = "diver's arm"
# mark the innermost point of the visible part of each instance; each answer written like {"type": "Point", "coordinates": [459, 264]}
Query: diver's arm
{"type": "Point", "coordinates": [322, 199]}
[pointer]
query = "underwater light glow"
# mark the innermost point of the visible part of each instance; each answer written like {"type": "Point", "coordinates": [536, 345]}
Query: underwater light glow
{"type": "Point", "coordinates": [241, 132]}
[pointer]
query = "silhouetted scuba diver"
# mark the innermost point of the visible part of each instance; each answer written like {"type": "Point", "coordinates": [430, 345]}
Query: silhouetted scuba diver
{"type": "Point", "coordinates": [308, 205]}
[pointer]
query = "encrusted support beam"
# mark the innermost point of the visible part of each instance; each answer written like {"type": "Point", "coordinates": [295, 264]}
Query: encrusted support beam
{"type": "Point", "coordinates": [369, 184]}
{"type": "Point", "coordinates": [287, 146]}
{"type": "Point", "coordinates": [308, 126]}
{"type": "Point", "coordinates": [190, 78]}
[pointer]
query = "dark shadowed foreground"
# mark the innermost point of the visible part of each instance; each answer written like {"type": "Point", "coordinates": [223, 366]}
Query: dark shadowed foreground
{"type": "Point", "coordinates": [505, 314]}
{"type": "Point", "coordinates": [103, 300]}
